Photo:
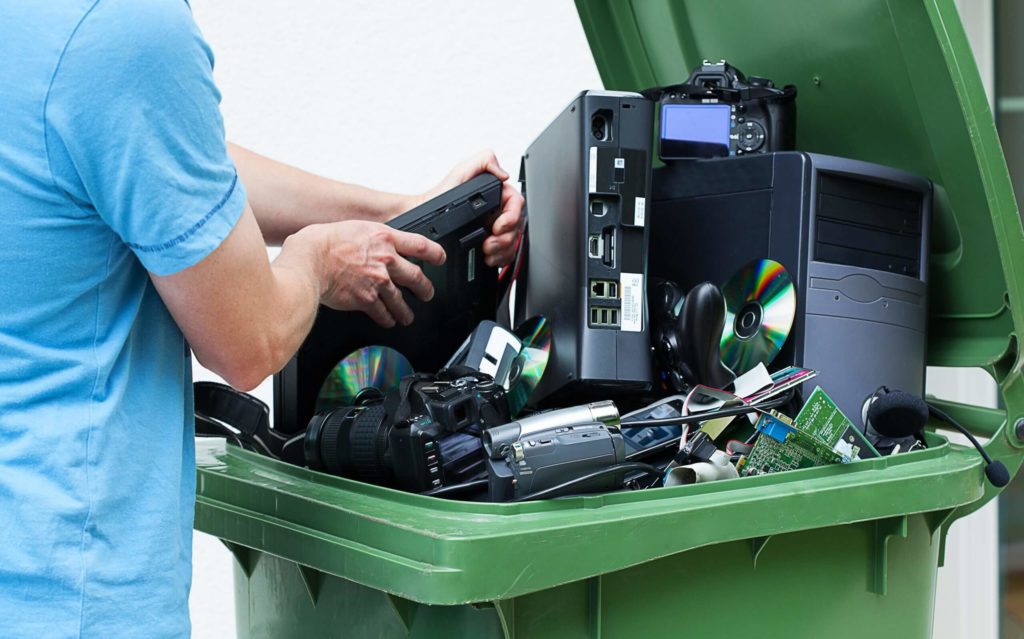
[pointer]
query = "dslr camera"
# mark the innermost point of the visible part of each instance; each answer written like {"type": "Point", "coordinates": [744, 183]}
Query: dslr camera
{"type": "Point", "coordinates": [421, 436]}
{"type": "Point", "coordinates": [719, 112]}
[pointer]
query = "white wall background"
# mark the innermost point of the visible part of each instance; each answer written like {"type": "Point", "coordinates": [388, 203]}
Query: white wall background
{"type": "Point", "coordinates": [391, 95]}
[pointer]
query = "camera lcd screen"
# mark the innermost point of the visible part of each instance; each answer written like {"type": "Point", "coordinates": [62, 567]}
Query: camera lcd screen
{"type": "Point", "coordinates": [695, 130]}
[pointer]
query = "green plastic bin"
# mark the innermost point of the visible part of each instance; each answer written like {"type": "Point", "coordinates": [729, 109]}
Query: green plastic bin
{"type": "Point", "coordinates": [839, 551]}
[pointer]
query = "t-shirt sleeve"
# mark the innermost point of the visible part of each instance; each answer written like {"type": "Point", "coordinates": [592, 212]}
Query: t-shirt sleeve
{"type": "Point", "coordinates": [134, 132]}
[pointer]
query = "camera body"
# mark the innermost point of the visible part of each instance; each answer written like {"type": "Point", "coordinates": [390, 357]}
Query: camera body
{"type": "Point", "coordinates": [719, 112]}
{"type": "Point", "coordinates": [548, 458]}
{"type": "Point", "coordinates": [421, 436]}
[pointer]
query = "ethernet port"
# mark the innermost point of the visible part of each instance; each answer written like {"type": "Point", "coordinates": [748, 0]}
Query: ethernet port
{"type": "Point", "coordinates": [604, 289]}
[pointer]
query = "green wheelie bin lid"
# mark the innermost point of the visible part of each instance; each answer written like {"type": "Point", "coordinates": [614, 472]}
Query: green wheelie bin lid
{"type": "Point", "coordinates": [886, 81]}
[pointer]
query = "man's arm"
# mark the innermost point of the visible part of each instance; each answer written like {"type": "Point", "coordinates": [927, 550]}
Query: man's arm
{"type": "Point", "coordinates": [285, 199]}
{"type": "Point", "coordinates": [245, 317]}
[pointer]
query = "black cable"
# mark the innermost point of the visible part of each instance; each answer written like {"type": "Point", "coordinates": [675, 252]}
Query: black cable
{"type": "Point", "coordinates": [703, 417]}
{"type": "Point", "coordinates": [943, 416]}
{"type": "Point", "coordinates": [995, 470]}
{"type": "Point", "coordinates": [624, 468]}
{"type": "Point", "coordinates": [454, 489]}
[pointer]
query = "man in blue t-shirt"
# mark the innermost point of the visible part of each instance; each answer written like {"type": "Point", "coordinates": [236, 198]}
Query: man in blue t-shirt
{"type": "Point", "coordinates": [130, 232]}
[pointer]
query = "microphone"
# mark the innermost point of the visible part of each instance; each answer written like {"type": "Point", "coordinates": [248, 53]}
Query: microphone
{"type": "Point", "coordinates": [898, 414]}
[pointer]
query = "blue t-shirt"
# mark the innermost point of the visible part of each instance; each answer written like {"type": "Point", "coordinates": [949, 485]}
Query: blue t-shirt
{"type": "Point", "coordinates": [113, 165]}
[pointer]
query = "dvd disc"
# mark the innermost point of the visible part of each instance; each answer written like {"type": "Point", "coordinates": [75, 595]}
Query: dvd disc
{"type": "Point", "coordinates": [379, 367]}
{"type": "Point", "coordinates": [760, 305]}
{"type": "Point", "coordinates": [529, 367]}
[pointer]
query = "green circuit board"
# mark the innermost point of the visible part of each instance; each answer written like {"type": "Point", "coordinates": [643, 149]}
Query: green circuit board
{"type": "Point", "coordinates": [796, 450]}
{"type": "Point", "coordinates": [821, 418]}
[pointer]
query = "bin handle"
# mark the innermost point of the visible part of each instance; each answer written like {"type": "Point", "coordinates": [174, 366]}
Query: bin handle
{"type": "Point", "coordinates": [1003, 427]}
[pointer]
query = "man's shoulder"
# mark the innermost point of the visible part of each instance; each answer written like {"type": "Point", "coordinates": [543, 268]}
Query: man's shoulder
{"type": "Point", "coordinates": [134, 29]}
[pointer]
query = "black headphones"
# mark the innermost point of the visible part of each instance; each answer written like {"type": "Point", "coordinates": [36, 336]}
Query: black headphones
{"type": "Point", "coordinates": [898, 415]}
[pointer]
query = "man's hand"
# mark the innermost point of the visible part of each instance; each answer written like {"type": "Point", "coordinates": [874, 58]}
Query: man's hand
{"type": "Point", "coordinates": [245, 317]}
{"type": "Point", "coordinates": [500, 247]}
{"type": "Point", "coordinates": [363, 264]}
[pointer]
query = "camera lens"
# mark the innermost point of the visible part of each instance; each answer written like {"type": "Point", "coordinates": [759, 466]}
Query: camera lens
{"type": "Point", "coordinates": [351, 442]}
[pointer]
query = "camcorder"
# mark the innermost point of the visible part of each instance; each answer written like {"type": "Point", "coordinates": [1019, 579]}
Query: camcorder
{"type": "Point", "coordinates": [554, 450]}
{"type": "Point", "coordinates": [719, 112]}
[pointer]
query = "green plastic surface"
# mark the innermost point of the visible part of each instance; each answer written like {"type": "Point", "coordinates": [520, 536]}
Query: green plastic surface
{"type": "Point", "coordinates": [813, 584]}
{"type": "Point", "coordinates": [837, 551]}
{"type": "Point", "coordinates": [446, 552]}
{"type": "Point", "coordinates": [886, 81]}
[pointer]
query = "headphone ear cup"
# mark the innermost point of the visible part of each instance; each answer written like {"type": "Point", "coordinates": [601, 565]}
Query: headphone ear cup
{"type": "Point", "coordinates": [866, 407]}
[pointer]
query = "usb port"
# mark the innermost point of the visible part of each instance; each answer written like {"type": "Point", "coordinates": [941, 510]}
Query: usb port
{"type": "Point", "coordinates": [595, 247]}
{"type": "Point", "coordinates": [604, 317]}
{"type": "Point", "coordinates": [604, 290]}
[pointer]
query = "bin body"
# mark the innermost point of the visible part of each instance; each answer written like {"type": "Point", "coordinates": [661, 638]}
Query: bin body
{"type": "Point", "coordinates": [815, 583]}
{"type": "Point", "coordinates": [840, 551]}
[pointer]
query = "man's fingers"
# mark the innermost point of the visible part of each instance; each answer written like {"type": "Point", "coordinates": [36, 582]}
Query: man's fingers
{"type": "Point", "coordinates": [379, 313]}
{"type": "Point", "coordinates": [406, 274]}
{"type": "Point", "coordinates": [483, 162]}
{"type": "Point", "coordinates": [487, 161]}
{"type": "Point", "coordinates": [507, 222]}
{"type": "Point", "coordinates": [418, 247]}
{"type": "Point", "coordinates": [396, 305]}
{"type": "Point", "coordinates": [512, 201]}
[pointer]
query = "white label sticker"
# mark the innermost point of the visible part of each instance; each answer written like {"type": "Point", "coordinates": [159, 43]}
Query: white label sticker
{"type": "Point", "coordinates": [502, 347]}
{"type": "Point", "coordinates": [620, 163]}
{"type": "Point", "coordinates": [639, 211]}
{"type": "Point", "coordinates": [632, 285]}
{"type": "Point", "coordinates": [593, 169]}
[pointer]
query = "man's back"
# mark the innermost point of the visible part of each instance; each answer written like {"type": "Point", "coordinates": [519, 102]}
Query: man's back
{"type": "Point", "coordinates": [112, 164]}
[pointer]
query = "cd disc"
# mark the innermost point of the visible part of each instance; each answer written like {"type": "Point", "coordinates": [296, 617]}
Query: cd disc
{"type": "Point", "coordinates": [760, 305]}
{"type": "Point", "coordinates": [378, 367]}
{"type": "Point", "coordinates": [533, 358]}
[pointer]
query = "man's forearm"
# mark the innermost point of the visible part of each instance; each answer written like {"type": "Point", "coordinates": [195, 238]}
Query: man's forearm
{"type": "Point", "coordinates": [285, 199]}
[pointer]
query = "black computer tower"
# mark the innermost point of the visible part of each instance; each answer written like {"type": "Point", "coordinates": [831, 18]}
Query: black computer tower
{"type": "Point", "coordinates": [587, 183]}
{"type": "Point", "coordinates": [853, 236]}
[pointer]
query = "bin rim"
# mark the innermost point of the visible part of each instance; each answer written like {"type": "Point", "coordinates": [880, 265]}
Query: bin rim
{"type": "Point", "coordinates": [438, 551]}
